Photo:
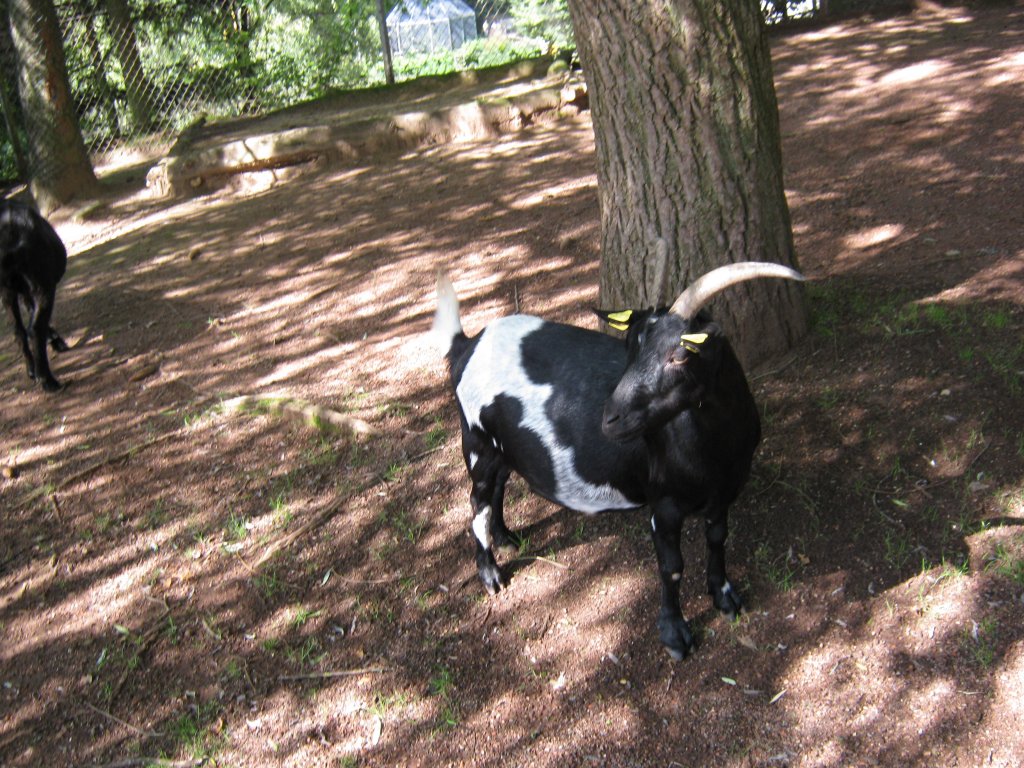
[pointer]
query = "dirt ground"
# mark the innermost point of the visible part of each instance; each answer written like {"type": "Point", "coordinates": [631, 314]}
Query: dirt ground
{"type": "Point", "coordinates": [187, 580]}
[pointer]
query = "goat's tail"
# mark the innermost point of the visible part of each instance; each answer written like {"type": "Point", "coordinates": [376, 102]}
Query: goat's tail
{"type": "Point", "coordinates": [447, 325]}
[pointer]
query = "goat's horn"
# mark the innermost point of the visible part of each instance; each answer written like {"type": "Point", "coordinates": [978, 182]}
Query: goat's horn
{"type": "Point", "coordinates": [703, 288]}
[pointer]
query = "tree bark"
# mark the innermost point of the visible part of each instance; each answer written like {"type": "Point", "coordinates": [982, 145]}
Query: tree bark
{"type": "Point", "coordinates": [60, 164]}
{"type": "Point", "coordinates": [689, 160]}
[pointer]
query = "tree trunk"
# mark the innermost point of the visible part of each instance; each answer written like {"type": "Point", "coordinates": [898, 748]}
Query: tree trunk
{"type": "Point", "coordinates": [689, 160]}
{"type": "Point", "coordinates": [137, 86]}
{"type": "Point", "coordinates": [60, 164]}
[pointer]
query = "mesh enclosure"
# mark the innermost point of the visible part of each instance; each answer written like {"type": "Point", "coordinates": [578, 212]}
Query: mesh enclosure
{"type": "Point", "coordinates": [142, 71]}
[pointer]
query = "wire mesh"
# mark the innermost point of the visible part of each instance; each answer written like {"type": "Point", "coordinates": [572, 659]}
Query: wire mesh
{"type": "Point", "coordinates": [142, 71]}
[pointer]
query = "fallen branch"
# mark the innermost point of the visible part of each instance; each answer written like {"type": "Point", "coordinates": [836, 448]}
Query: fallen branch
{"type": "Point", "coordinates": [147, 639]}
{"type": "Point", "coordinates": [119, 721]}
{"type": "Point", "coordinates": [308, 413]}
{"type": "Point", "coordinates": [333, 673]}
{"type": "Point", "coordinates": [314, 522]}
{"type": "Point", "coordinates": [319, 519]}
{"type": "Point", "coordinates": [313, 415]}
{"type": "Point", "coordinates": [541, 558]}
{"type": "Point", "coordinates": [121, 456]}
{"type": "Point", "coordinates": [159, 762]}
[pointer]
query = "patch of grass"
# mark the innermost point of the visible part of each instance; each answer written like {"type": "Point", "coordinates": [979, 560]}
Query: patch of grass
{"type": "Point", "coordinates": [373, 611]}
{"type": "Point", "coordinates": [1006, 363]}
{"type": "Point", "coordinates": [898, 550]}
{"type": "Point", "coordinates": [233, 669]}
{"type": "Point", "coordinates": [302, 614]}
{"type": "Point", "coordinates": [442, 686]}
{"type": "Point", "coordinates": [778, 571]}
{"type": "Point", "coordinates": [309, 654]}
{"type": "Point", "coordinates": [281, 507]}
{"type": "Point", "coordinates": [898, 320]}
{"type": "Point", "coordinates": [406, 526]}
{"type": "Point", "coordinates": [236, 528]}
{"type": "Point", "coordinates": [1007, 564]}
{"type": "Point", "coordinates": [828, 399]}
{"type": "Point", "coordinates": [193, 732]}
{"type": "Point", "coordinates": [441, 683]}
{"type": "Point", "coordinates": [394, 471]}
{"type": "Point", "coordinates": [320, 453]}
{"type": "Point", "coordinates": [119, 658]}
{"type": "Point", "coordinates": [436, 436]}
{"type": "Point", "coordinates": [524, 546]}
{"type": "Point", "coordinates": [384, 705]}
{"type": "Point", "coordinates": [578, 531]}
{"type": "Point", "coordinates": [395, 409]}
{"type": "Point", "coordinates": [996, 319]}
{"type": "Point", "coordinates": [269, 583]}
{"type": "Point", "coordinates": [979, 642]}
{"type": "Point", "coordinates": [156, 515]}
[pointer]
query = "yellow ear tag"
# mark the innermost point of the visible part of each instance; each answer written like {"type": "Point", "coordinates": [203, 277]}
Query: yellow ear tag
{"type": "Point", "coordinates": [620, 320]}
{"type": "Point", "coordinates": [691, 341]}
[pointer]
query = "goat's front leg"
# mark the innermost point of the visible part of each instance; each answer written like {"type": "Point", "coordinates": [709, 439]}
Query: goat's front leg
{"type": "Point", "coordinates": [716, 529]}
{"type": "Point", "coordinates": [666, 524]}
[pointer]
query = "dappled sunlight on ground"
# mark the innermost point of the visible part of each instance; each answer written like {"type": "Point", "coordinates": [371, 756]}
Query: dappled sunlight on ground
{"type": "Point", "coordinates": [185, 580]}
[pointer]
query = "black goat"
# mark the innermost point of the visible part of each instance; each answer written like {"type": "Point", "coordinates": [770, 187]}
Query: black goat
{"type": "Point", "coordinates": [664, 418]}
{"type": "Point", "coordinates": [32, 262]}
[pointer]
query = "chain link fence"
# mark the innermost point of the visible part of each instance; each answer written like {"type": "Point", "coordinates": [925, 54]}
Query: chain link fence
{"type": "Point", "coordinates": [142, 71]}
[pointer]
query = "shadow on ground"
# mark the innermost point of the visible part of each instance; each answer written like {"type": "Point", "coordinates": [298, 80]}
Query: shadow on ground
{"type": "Point", "coordinates": [161, 596]}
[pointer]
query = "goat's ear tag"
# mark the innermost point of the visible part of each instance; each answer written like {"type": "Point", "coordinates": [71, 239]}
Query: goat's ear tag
{"type": "Point", "coordinates": [620, 320]}
{"type": "Point", "coordinates": [692, 341]}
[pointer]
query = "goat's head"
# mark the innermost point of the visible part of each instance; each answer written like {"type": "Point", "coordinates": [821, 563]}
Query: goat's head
{"type": "Point", "coordinates": [674, 354]}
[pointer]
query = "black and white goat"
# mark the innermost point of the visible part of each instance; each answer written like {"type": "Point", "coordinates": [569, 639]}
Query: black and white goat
{"type": "Point", "coordinates": [32, 262]}
{"type": "Point", "coordinates": [664, 418]}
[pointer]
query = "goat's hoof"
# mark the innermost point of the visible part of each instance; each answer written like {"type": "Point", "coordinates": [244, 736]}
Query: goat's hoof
{"type": "Point", "coordinates": [727, 600]}
{"type": "Point", "coordinates": [492, 579]}
{"type": "Point", "coordinates": [58, 344]}
{"type": "Point", "coordinates": [52, 385]}
{"type": "Point", "coordinates": [676, 637]}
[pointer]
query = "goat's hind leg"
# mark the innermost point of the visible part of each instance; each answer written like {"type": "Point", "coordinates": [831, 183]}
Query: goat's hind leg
{"type": "Point", "coordinates": [38, 335]}
{"type": "Point", "coordinates": [723, 594]}
{"type": "Point", "coordinates": [57, 343]}
{"type": "Point", "coordinates": [488, 472]}
{"type": "Point", "coordinates": [504, 539]}
{"type": "Point", "coordinates": [10, 299]}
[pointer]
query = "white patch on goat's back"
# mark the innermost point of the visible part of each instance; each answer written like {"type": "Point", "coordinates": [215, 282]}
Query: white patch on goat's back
{"type": "Point", "coordinates": [495, 368]}
{"type": "Point", "coordinates": [473, 458]}
{"type": "Point", "coordinates": [482, 527]}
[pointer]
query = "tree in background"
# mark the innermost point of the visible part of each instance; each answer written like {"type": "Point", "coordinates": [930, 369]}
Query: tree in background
{"type": "Point", "coordinates": [60, 165]}
{"type": "Point", "coordinates": [689, 159]}
{"type": "Point", "coordinates": [136, 84]}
